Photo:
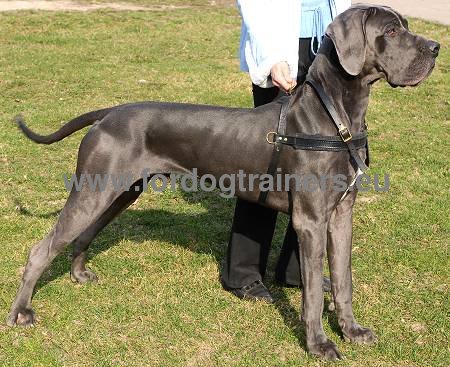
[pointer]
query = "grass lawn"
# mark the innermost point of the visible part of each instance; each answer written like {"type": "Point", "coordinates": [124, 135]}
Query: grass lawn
{"type": "Point", "coordinates": [159, 301]}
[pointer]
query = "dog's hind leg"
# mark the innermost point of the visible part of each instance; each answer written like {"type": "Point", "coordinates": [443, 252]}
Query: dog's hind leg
{"type": "Point", "coordinates": [78, 272]}
{"type": "Point", "coordinates": [82, 209]}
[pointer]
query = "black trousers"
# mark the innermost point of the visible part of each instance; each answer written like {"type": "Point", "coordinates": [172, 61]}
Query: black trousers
{"type": "Point", "coordinates": [253, 225]}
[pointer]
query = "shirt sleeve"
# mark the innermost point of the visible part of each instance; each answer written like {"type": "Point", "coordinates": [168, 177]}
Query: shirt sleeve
{"type": "Point", "coordinates": [270, 33]}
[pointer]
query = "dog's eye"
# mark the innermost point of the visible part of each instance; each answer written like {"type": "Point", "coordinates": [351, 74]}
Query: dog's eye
{"type": "Point", "coordinates": [391, 32]}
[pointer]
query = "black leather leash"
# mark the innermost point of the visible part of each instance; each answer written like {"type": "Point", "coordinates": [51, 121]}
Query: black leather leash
{"type": "Point", "coordinates": [343, 141]}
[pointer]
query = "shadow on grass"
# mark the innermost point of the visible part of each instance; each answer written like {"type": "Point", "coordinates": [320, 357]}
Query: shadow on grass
{"type": "Point", "coordinates": [29, 213]}
{"type": "Point", "coordinates": [291, 315]}
{"type": "Point", "coordinates": [197, 232]}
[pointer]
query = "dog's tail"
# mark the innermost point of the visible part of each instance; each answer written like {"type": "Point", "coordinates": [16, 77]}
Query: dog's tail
{"type": "Point", "coordinates": [69, 128]}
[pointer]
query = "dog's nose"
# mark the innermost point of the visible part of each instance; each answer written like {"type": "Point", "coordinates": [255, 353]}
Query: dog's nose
{"type": "Point", "coordinates": [434, 47]}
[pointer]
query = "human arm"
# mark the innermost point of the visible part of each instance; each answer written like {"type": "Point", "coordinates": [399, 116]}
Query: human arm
{"type": "Point", "coordinates": [269, 40]}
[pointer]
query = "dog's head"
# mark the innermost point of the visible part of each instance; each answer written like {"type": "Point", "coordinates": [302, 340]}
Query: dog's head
{"type": "Point", "coordinates": [376, 40]}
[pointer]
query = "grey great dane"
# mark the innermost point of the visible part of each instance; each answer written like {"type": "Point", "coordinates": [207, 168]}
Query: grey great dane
{"type": "Point", "coordinates": [368, 43]}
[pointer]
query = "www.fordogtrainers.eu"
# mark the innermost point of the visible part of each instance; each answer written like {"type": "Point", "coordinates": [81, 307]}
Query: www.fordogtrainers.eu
{"type": "Point", "coordinates": [228, 184]}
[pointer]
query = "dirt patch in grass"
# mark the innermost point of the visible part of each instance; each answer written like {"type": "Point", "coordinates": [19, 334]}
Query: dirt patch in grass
{"type": "Point", "coordinates": [63, 5]}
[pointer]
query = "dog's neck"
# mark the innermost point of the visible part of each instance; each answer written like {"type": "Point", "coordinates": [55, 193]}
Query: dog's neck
{"type": "Point", "coordinates": [350, 94]}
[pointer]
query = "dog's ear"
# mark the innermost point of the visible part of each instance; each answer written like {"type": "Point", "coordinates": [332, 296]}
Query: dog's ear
{"type": "Point", "coordinates": [347, 32]}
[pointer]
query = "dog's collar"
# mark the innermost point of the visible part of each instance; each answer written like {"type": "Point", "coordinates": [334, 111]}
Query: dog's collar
{"type": "Point", "coordinates": [328, 49]}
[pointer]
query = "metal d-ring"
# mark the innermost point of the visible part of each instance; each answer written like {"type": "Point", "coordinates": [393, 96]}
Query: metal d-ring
{"type": "Point", "coordinates": [272, 134]}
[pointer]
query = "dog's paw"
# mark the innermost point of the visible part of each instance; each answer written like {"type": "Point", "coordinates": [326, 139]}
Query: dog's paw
{"type": "Point", "coordinates": [84, 276]}
{"type": "Point", "coordinates": [327, 350]}
{"type": "Point", "coordinates": [359, 335]}
{"type": "Point", "coordinates": [22, 317]}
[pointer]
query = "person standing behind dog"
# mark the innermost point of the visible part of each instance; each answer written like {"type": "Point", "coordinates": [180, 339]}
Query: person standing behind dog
{"type": "Point", "coordinates": [279, 40]}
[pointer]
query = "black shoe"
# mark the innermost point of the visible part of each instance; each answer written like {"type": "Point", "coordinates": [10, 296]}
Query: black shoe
{"type": "Point", "coordinates": [255, 291]}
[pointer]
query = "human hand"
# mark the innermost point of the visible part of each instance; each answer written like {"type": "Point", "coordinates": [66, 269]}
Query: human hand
{"type": "Point", "coordinates": [281, 76]}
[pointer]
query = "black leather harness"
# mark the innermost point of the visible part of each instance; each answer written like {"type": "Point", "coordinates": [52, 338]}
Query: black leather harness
{"type": "Point", "coordinates": [341, 142]}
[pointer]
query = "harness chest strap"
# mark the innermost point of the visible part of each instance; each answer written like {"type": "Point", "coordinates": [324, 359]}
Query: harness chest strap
{"type": "Point", "coordinates": [341, 142]}
{"type": "Point", "coordinates": [316, 142]}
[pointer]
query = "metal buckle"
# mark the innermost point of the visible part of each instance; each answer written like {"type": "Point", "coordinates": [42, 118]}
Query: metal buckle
{"type": "Point", "coordinates": [272, 134]}
{"type": "Point", "coordinates": [345, 134]}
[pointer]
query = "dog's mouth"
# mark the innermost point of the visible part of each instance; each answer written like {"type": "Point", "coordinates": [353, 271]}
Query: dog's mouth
{"type": "Point", "coordinates": [416, 81]}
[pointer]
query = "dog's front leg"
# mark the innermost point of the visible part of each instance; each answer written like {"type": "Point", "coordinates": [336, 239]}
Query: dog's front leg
{"type": "Point", "coordinates": [339, 259]}
{"type": "Point", "coordinates": [310, 225]}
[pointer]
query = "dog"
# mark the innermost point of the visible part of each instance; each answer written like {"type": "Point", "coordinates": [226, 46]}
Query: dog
{"type": "Point", "coordinates": [366, 43]}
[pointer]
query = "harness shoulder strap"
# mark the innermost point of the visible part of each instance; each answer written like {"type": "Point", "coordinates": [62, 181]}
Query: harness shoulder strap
{"type": "Point", "coordinates": [344, 132]}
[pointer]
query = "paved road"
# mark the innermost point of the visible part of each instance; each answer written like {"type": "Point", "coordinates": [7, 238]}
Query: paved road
{"type": "Point", "coordinates": [434, 10]}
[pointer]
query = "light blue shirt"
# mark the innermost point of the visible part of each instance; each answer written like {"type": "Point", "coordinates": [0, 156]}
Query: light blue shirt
{"type": "Point", "coordinates": [315, 17]}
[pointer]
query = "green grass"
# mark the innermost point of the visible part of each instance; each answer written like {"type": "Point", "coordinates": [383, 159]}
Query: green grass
{"type": "Point", "coordinates": [159, 302]}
